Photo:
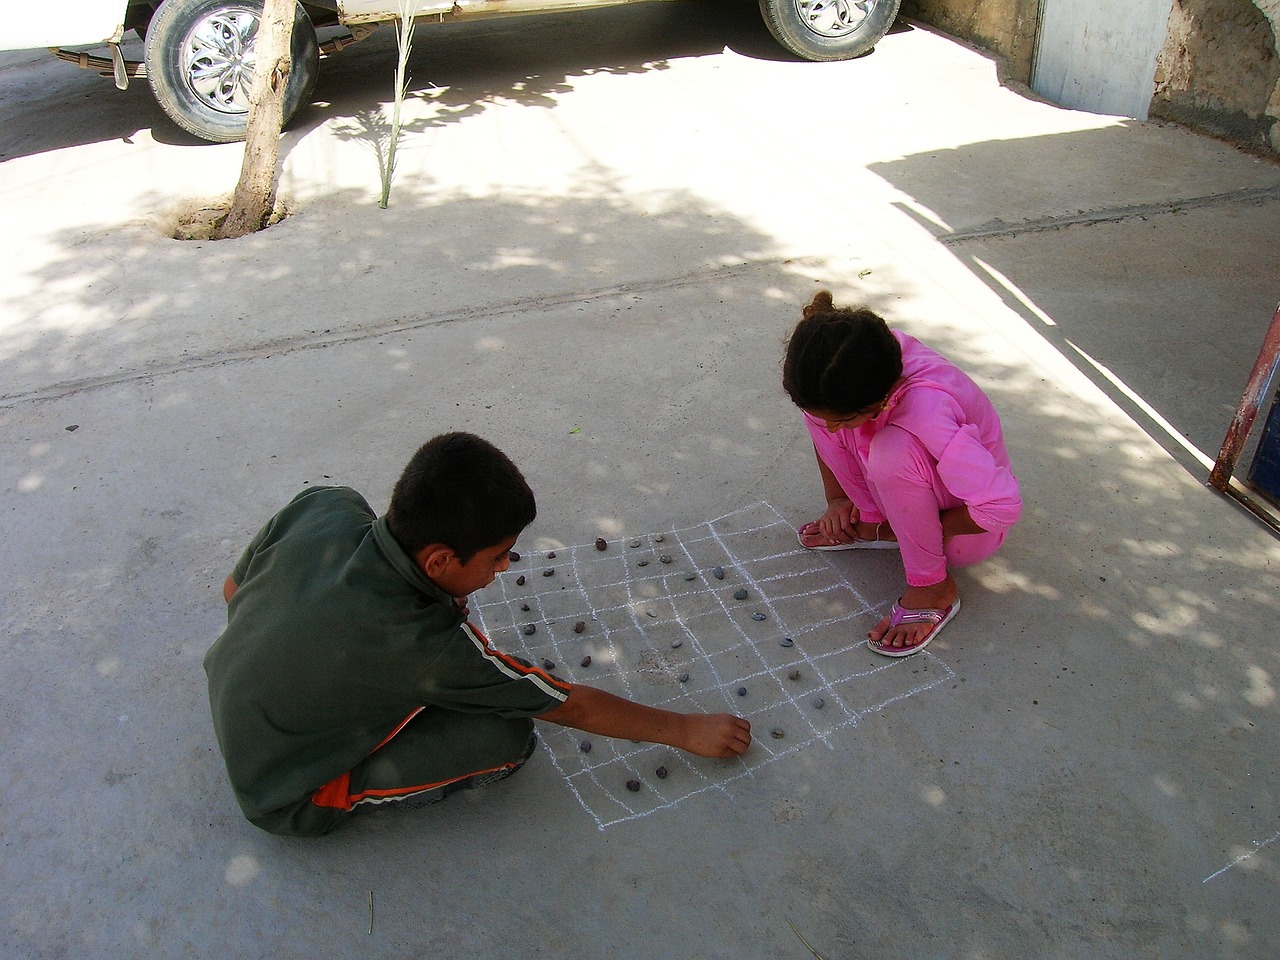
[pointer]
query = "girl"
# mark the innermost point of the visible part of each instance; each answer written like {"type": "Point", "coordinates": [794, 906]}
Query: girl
{"type": "Point", "coordinates": [911, 456]}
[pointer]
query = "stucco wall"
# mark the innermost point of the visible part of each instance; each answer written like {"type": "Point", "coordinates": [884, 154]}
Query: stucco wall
{"type": "Point", "coordinates": [1005, 27]}
{"type": "Point", "coordinates": [1219, 70]}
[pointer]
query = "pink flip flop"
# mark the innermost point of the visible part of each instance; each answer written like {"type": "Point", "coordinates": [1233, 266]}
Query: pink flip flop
{"type": "Point", "coordinates": [856, 545]}
{"type": "Point", "coordinates": [900, 615]}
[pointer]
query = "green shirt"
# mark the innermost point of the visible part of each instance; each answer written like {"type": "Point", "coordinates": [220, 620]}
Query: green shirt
{"type": "Point", "coordinates": [334, 637]}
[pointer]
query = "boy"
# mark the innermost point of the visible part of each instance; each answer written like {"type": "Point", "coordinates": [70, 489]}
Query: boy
{"type": "Point", "coordinates": [348, 676]}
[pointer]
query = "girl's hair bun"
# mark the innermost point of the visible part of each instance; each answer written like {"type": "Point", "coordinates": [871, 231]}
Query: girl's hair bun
{"type": "Point", "coordinates": [821, 303]}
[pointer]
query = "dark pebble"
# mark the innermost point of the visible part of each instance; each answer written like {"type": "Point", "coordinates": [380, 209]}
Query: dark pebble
{"type": "Point", "coordinates": [530, 629]}
{"type": "Point", "coordinates": [602, 543]}
{"type": "Point", "coordinates": [777, 733]}
{"type": "Point", "coordinates": [550, 571]}
{"type": "Point", "coordinates": [684, 678]}
{"type": "Point", "coordinates": [757, 616]}
{"type": "Point", "coordinates": [719, 573]}
{"type": "Point", "coordinates": [793, 675]}
{"type": "Point", "coordinates": [677, 644]}
{"type": "Point", "coordinates": [579, 626]}
{"type": "Point", "coordinates": [71, 427]}
{"type": "Point", "coordinates": [665, 558]}
{"type": "Point", "coordinates": [551, 555]}
{"type": "Point", "coordinates": [585, 746]}
{"type": "Point", "coordinates": [650, 613]}
{"type": "Point", "coordinates": [661, 773]}
{"type": "Point", "coordinates": [787, 642]}
{"type": "Point", "coordinates": [634, 543]}
{"type": "Point", "coordinates": [520, 580]}
{"type": "Point", "coordinates": [586, 661]}
{"type": "Point", "coordinates": [524, 607]}
{"type": "Point", "coordinates": [633, 786]}
{"type": "Point", "coordinates": [642, 563]}
{"type": "Point", "coordinates": [691, 576]}
{"type": "Point", "coordinates": [548, 664]}
{"type": "Point", "coordinates": [819, 703]}
{"type": "Point", "coordinates": [658, 538]}
{"type": "Point", "coordinates": [740, 594]}
{"type": "Point", "coordinates": [513, 557]}
{"type": "Point", "coordinates": [742, 691]}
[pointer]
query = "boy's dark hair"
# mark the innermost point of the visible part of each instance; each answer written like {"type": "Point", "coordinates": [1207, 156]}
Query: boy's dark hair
{"type": "Point", "coordinates": [840, 360]}
{"type": "Point", "coordinates": [461, 491]}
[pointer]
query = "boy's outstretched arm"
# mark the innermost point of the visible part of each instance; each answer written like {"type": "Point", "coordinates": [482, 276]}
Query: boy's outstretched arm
{"type": "Point", "coordinates": [705, 734]}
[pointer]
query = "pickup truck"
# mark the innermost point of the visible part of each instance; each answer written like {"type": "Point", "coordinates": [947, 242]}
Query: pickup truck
{"type": "Point", "coordinates": [198, 55]}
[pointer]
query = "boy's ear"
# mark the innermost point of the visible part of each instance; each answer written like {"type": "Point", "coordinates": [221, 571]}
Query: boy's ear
{"type": "Point", "coordinates": [434, 559]}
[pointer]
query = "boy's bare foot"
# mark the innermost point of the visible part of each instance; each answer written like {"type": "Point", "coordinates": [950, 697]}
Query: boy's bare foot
{"type": "Point", "coordinates": [938, 596]}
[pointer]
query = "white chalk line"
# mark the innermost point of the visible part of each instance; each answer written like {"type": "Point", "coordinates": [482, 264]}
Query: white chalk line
{"type": "Point", "coordinates": [1258, 845]}
{"type": "Point", "coordinates": [612, 753]}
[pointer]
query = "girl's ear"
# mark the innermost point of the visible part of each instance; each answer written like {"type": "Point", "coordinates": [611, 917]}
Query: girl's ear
{"type": "Point", "coordinates": [434, 559]}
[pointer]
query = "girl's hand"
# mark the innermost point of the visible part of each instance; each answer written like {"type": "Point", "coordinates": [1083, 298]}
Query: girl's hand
{"type": "Point", "coordinates": [839, 523]}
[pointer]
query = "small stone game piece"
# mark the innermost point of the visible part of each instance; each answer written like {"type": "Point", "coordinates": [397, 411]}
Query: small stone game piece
{"type": "Point", "coordinates": [585, 746]}
{"type": "Point", "coordinates": [665, 558]}
{"type": "Point", "coordinates": [742, 691]}
{"type": "Point", "coordinates": [520, 580]}
{"type": "Point", "coordinates": [586, 661]}
{"type": "Point", "coordinates": [661, 773]}
{"type": "Point", "coordinates": [740, 593]}
{"type": "Point", "coordinates": [777, 733]}
{"type": "Point", "coordinates": [793, 675]}
{"type": "Point", "coordinates": [513, 557]}
{"type": "Point", "coordinates": [757, 616]}
{"type": "Point", "coordinates": [579, 626]}
{"type": "Point", "coordinates": [548, 664]}
{"type": "Point", "coordinates": [819, 703]}
{"type": "Point", "coordinates": [633, 786]}
{"type": "Point", "coordinates": [786, 642]}
{"type": "Point", "coordinates": [549, 572]}
{"type": "Point", "coordinates": [602, 544]}
{"type": "Point", "coordinates": [718, 572]}
{"type": "Point", "coordinates": [530, 629]}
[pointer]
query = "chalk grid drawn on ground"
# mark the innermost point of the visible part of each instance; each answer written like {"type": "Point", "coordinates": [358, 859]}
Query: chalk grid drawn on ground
{"type": "Point", "coordinates": [649, 624]}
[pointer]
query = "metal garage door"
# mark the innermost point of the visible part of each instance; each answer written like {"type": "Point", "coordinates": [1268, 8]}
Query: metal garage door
{"type": "Point", "coordinates": [1100, 55]}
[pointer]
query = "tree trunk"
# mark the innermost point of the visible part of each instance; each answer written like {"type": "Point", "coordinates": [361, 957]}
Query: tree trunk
{"type": "Point", "coordinates": [255, 194]}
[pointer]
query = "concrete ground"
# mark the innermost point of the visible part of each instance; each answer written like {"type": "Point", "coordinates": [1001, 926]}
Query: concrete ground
{"type": "Point", "coordinates": [602, 228]}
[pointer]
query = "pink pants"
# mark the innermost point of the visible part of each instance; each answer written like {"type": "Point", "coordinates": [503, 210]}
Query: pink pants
{"type": "Point", "coordinates": [899, 483]}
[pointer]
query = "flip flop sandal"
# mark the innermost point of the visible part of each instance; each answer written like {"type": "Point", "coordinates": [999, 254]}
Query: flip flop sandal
{"type": "Point", "coordinates": [856, 545]}
{"type": "Point", "coordinates": [900, 615]}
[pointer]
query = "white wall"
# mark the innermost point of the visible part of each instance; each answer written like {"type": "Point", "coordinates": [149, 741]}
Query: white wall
{"type": "Point", "coordinates": [1100, 55]}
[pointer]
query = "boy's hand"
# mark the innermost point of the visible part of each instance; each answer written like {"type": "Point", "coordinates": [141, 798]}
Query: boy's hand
{"type": "Point", "coordinates": [717, 735]}
{"type": "Point", "coordinates": [707, 735]}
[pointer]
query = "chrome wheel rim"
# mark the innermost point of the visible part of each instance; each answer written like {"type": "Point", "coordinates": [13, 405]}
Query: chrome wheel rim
{"type": "Point", "coordinates": [218, 59]}
{"type": "Point", "coordinates": [834, 18]}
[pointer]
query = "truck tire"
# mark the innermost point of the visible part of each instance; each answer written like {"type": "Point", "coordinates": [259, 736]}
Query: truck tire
{"type": "Point", "coordinates": [199, 56]}
{"type": "Point", "coordinates": [829, 29]}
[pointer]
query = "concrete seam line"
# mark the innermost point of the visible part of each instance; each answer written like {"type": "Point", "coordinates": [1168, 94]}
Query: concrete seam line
{"type": "Point", "coordinates": [999, 228]}
{"type": "Point", "coordinates": [288, 345]}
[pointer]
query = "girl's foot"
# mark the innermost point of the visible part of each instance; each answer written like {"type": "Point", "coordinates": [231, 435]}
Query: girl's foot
{"type": "Point", "coordinates": [938, 596]}
{"type": "Point", "coordinates": [870, 536]}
